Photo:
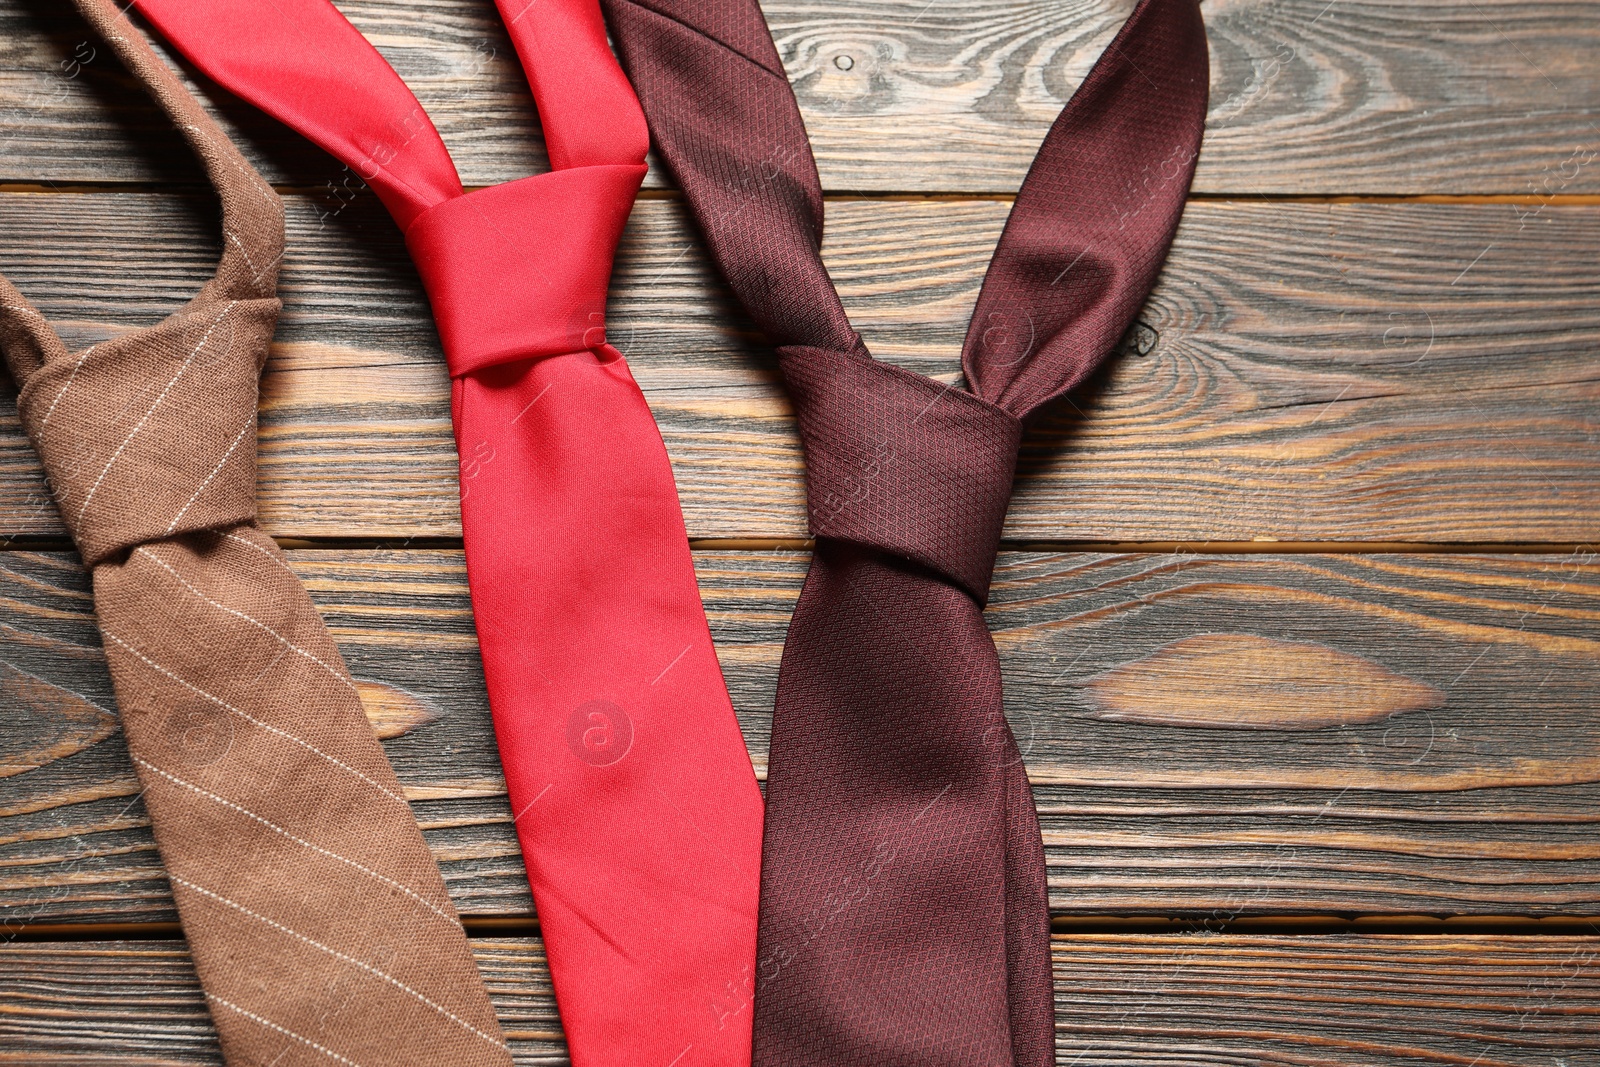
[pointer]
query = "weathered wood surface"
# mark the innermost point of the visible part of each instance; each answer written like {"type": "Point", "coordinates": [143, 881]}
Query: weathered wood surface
{"type": "Point", "coordinates": [139, 1002]}
{"type": "Point", "coordinates": [1310, 372]}
{"type": "Point", "coordinates": [1307, 96]}
{"type": "Point", "coordinates": [1344, 1001]}
{"type": "Point", "coordinates": [1212, 735]}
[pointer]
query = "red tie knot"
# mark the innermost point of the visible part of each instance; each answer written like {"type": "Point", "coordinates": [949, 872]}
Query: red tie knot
{"type": "Point", "coordinates": [903, 463]}
{"type": "Point", "coordinates": [520, 270]}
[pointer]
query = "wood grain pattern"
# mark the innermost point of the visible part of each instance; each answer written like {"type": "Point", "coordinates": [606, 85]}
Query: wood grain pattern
{"type": "Point", "coordinates": [41, 723]}
{"type": "Point", "coordinates": [1488, 803]}
{"type": "Point", "coordinates": [1211, 736]}
{"type": "Point", "coordinates": [1342, 1001]}
{"type": "Point", "coordinates": [1435, 96]}
{"type": "Point", "coordinates": [139, 1002]}
{"type": "Point", "coordinates": [1309, 372]}
{"type": "Point", "coordinates": [1335, 1002]}
{"type": "Point", "coordinates": [1248, 682]}
{"type": "Point", "coordinates": [392, 711]}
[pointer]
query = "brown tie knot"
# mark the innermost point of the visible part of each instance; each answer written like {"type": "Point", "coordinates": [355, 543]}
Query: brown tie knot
{"type": "Point", "coordinates": [903, 463]}
{"type": "Point", "coordinates": [152, 434]}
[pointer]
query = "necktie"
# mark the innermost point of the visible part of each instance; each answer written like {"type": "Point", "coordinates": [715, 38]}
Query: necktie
{"type": "Point", "coordinates": [319, 923]}
{"type": "Point", "coordinates": [635, 803]}
{"type": "Point", "coordinates": [904, 915]}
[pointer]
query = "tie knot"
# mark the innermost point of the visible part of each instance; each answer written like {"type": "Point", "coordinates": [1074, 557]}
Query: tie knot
{"type": "Point", "coordinates": [521, 270]}
{"type": "Point", "coordinates": [152, 434]}
{"type": "Point", "coordinates": [902, 463]}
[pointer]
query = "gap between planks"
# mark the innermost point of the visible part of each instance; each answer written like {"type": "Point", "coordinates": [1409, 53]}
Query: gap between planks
{"type": "Point", "coordinates": [68, 188]}
{"type": "Point", "coordinates": [1281, 925]}
{"type": "Point", "coordinates": [796, 544]}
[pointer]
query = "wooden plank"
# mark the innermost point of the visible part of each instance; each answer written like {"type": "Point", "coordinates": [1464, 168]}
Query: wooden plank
{"type": "Point", "coordinates": [139, 1002]}
{"type": "Point", "coordinates": [1120, 1000]}
{"type": "Point", "coordinates": [1435, 96]}
{"type": "Point", "coordinates": [1212, 735]}
{"type": "Point", "coordinates": [1310, 372]}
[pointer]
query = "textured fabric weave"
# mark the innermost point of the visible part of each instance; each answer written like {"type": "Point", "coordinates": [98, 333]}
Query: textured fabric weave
{"type": "Point", "coordinates": [318, 921]}
{"type": "Point", "coordinates": [904, 918]}
{"type": "Point", "coordinates": [634, 799]}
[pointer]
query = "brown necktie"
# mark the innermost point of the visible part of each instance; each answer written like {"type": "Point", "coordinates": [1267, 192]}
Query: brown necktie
{"type": "Point", "coordinates": [319, 922]}
{"type": "Point", "coordinates": [904, 917]}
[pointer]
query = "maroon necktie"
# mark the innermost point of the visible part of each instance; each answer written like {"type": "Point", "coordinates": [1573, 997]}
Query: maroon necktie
{"type": "Point", "coordinates": [904, 914]}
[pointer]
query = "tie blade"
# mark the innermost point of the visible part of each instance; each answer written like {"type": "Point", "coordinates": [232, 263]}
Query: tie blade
{"type": "Point", "coordinates": [887, 900]}
{"type": "Point", "coordinates": [634, 798]}
{"type": "Point", "coordinates": [317, 917]}
{"type": "Point", "coordinates": [1028, 967]}
{"type": "Point", "coordinates": [587, 109]}
{"type": "Point", "coordinates": [1096, 214]}
{"type": "Point", "coordinates": [302, 62]}
{"type": "Point", "coordinates": [741, 157]}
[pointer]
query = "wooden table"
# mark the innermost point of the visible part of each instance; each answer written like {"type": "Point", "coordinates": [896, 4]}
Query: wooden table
{"type": "Point", "coordinates": [1299, 609]}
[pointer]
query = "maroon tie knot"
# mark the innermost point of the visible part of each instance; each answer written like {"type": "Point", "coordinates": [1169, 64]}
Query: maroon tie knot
{"type": "Point", "coordinates": [902, 463]}
{"type": "Point", "coordinates": [520, 270]}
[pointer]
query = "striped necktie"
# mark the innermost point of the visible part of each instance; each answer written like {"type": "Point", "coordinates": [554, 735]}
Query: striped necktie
{"type": "Point", "coordinates": [319, 924]}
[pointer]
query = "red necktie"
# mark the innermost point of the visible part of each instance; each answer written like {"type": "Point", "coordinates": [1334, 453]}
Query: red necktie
{"type": "Point", "coordinates": [904, 918]}
{"type": "Point", "coordinates": [635, 803]}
